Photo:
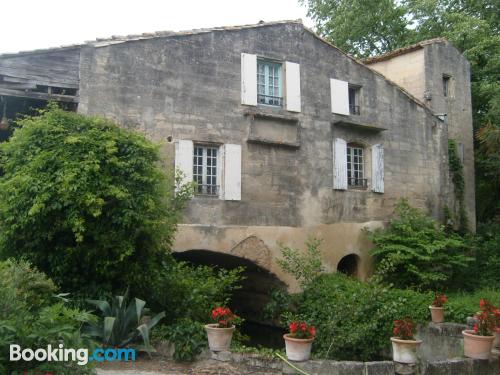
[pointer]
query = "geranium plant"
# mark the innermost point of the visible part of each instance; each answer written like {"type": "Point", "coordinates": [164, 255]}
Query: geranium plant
{"type": "Point", "coordinates": [224, 317]}
{"type": "Point", "coordinates": [404, 329]}
{"type": "Point", "coordinates": [301, 330]}
{"type": "Point", "coordinates": [439, 300]}
{"type": "Point", "coordinates": [487, 319]}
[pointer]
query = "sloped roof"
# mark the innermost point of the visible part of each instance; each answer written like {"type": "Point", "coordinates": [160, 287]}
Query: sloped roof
{"type": "Point", "coordinates": [403, 50]}
{"type": "Point", "coordinates": [116, 39]}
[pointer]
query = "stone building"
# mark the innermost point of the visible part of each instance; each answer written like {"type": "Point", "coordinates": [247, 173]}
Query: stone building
{"type": "Point", "coordinates": [285, 135]}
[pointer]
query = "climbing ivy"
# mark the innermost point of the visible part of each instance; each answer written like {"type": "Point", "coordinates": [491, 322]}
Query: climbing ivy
{"type": "Point", "coordinates": [457, 171]}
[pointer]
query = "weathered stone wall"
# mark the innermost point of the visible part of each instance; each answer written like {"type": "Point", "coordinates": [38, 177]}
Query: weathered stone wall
{"type": "Point", "coordinates": [421, 73]}
{"type": "Point", "coordinates": [188, 87]}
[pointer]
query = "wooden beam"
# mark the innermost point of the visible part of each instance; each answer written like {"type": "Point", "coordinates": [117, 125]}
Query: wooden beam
{"type": "Point", "coordinates": [39, 95]}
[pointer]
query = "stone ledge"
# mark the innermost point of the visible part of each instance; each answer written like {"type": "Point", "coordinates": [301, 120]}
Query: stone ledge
{"type": "Point", "coordinates": [458, 366]}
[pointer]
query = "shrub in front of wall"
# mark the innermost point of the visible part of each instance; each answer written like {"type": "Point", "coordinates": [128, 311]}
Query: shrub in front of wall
{"type": "Point", "coordinates": [191, 292]}
{"type": "Point", "coordinates": [354, 319]}
{"type": "Point", "coordinates": [414, 251]}
{"type": "Point", "coordinates": [86, 201]}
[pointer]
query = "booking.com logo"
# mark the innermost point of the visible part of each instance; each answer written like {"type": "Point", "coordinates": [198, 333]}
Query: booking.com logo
{"type": "Point", "coordinates": [62, 354]}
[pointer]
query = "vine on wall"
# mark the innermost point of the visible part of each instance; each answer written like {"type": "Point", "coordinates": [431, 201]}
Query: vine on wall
{"type": "Point", "coordinates": [457, 171]}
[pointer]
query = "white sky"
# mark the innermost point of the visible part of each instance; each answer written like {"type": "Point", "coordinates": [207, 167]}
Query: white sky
{"type": "Point", "coordinates": [33, 24]}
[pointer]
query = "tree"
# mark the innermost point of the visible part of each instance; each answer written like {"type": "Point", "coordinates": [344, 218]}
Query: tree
{"type": "Point", "coordinates": [372, 27]}
{"type": "Point", "coordinates": [86, 201]}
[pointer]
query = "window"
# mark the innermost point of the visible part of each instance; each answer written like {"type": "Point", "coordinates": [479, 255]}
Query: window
{"type": "Point", "coordinates": [446, 85]}
{"type": "Point", "coordinates": [354, 100]}
{"type": "Point", "coordinates": [205, 170]}
{"type": "Point", "coordinates": [355, 167]}
{"type": "Point", "coordinates": [269, 89]}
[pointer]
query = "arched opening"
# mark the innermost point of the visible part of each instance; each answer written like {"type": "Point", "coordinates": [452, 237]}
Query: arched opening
{"type": "Point", "coordinates": [249, 301]}
{"type": "Point", "coordinates": [349, 265]}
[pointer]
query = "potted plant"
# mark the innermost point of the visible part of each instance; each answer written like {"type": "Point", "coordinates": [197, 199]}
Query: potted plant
{"type": "Point", "coordinates": [478, 342]}
{"type": "Point", "coordinates": [220, 333]}
{"type": "Point", "coordinates": [299, 341]}
{"type": "Point", "coordinates": [437, 308]}
{"type": "Point", "coordinates": [404, 344]}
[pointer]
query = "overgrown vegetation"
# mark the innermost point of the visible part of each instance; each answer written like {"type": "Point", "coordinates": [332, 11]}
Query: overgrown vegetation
{"type": "Point", "coordinates": [414, 251]}
{"type": "Point", "coordinates": [457, 171]}
{"type": "Point", "coordinates": [33, 317]}
{"type": "Point", "coordinates": [86, 201]}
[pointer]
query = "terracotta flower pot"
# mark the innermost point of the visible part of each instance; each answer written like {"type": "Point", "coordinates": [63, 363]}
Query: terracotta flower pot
{"type": "Point", "coordinates": [405, 351]}
{"type": "Point", "coordinates": [496, 343]}
{"type": "Point", "coordinates": [475, 346]}
{"type": "Point", "coordinates": [297, 349]}
{"type": "Point", "coordinates": [437, 314]}
{"type": "Point", "coordinates": [219, 339]}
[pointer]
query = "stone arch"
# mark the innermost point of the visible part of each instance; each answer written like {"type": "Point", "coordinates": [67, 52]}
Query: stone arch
{"type": "Point", "coordinates": [256, 287]}
{"type": "Point", "coordinates": [350, 265]}
{"type": "Point", "coordinates": [254, 249]}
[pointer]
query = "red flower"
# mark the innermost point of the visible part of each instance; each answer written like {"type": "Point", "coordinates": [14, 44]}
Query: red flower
{"type": "Point", "coordinates": [312, 331]}
{"type": "Point", "coordinates": [476, 328]}
{"type": "Point", "coordinates": [294, 326]}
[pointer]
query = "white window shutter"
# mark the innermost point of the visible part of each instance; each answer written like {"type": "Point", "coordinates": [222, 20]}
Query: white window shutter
{"type": "Point", "coordinates": [248, 79]}
{"type": "Point", "coordinates": [232, 172]}
{"type": "Point", "coordinates": [292, 72]}
{"type": "Point", "coordinates": [340, 96]}
{"type": "Point", "coordinates": [340, 164]}
{"type": "Point", "coordinates": [377, 168]}
{"type": "Point", "coordinates": [184, 154]}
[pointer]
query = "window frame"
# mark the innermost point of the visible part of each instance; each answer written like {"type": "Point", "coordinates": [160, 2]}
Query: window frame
{"type": "Point", "coordinates": [266, 98]}
{"type": "Point", "coordinates": [447, 85]}
{"type": "Point", "coordinates": [208, 188]}
{"type": "Point", "coordinates": [354, 108]}
{"type": "Point", "coordinates": [354, 172]}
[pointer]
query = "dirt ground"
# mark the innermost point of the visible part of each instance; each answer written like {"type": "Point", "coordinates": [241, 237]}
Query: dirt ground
{"type": "Point", "coordinates": [157, 366]}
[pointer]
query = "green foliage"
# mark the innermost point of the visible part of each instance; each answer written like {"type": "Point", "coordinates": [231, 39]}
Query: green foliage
{"type": "Point", "coordinates": [354, 320]}
{"type": "Point", "coordinates": [86, 201]}
{"type": "Point", "coordinates": [121, 325]}
{"type": "Point", "coordinates": [367, 28]}
{"type": "Point", "coordinates": [304, 267]}
{"type": "Point", "coordinates": [32, 318]}
{"type": "Point", "coordinates": [457, 171]}
{"type": "Point", "coordinates": [191, 292]}
{"type": "Point", "coordinates": [461, 305]}
{"type": "Point", "coordinates": [188, 336]}
{"type": "Point", "coordinates": [415, 252]}
{"type": "Point", "coordinates": [488, 166]}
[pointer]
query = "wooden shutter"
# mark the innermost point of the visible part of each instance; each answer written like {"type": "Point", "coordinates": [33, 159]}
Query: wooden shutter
{"type": "Point", "coordinates": [340, 164]}
{"type": "Point", "coordinates": [378, 168]}
{"type": "Point", "coordinates": [232, 172]}
{"type": "Point", "coordinates": [184, 154]}
{"type": "Point", "coordinates": [292, 72]}
{"type": "Point", "coordinates": [340, 96]}
{"type": "Point", "coordinates": [248, 79]}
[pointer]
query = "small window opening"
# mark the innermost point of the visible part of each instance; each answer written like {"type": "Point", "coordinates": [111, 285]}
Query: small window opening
{"type": "Point", "coordinates": [446, 86]}
{"type": "Point", "coordinates": [354, 100]}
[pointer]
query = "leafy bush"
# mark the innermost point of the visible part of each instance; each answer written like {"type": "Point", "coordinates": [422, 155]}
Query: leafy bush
{"type": "Point", "coordinates": [461, 305]}
{"type": "Point", "coordinates": [121, 325]}
{"type": "Point", "coordinates": [415, 252]}
{"type": "Point", "coordinates": [188, 336]}
{"type": "Point", "coordinates": [32, 318]}
{"type": "Point", "coordinates": [86, 201]}
{"type": "Point", "coordinates": [190, 292]}
{"type": "Point", "coordinates": [304, 267]}
{"type": "Point", "coordinates": [354, 319]}
{"type": "Point", "coordinates": [486, 245]}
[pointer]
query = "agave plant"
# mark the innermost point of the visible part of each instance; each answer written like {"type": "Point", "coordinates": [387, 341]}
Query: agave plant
{"type": "Point", "coordinates": [121, 324]}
